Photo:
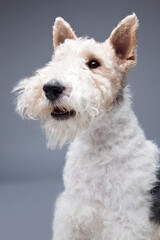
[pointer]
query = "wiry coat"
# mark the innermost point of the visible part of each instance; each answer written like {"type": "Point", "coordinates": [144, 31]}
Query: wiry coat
{"type": "Point", "coordinates": [111, 169]}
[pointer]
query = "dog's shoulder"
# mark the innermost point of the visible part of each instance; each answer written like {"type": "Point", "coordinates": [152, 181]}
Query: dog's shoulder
{"type": "Point", "coordinates": [155, 193]}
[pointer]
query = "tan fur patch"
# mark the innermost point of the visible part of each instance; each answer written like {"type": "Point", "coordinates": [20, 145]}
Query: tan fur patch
{"type": "Point", "coordinates": [62, 31]}
{"type": "Point", "coordinates": [115, 84]}
{"type": "Point", "coordinates": [104, 71]}
{"type": "Point", "coordinates": [91, 56]}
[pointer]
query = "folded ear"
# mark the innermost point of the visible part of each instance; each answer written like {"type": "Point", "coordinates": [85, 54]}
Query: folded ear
{"type": "Point", "coordinates": [62, 31]}
{"type": "Point", "coordinates": [124, 41]}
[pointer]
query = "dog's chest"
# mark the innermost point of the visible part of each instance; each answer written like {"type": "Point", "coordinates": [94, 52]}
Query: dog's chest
{"type": "Point", "coordinates": [92, 175]}
{"type": "Point", "coordinates": [85, 177]}
{"type": "Point", "coordinates": [96, 174]}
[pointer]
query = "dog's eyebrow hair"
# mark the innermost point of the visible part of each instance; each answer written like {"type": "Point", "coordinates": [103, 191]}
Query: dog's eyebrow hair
{"type": "Point", "coordinates": [92, 56]}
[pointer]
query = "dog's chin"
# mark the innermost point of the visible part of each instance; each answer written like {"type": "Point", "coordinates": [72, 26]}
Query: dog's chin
{"type": "Point", "coordinates": [60, 113]}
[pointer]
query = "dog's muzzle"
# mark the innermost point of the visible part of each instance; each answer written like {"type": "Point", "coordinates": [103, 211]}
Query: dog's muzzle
{"type": "Point", "coordinates": [53, 90]}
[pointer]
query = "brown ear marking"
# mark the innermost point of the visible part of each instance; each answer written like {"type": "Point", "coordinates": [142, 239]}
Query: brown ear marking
{"type": "Point", "coordinates": [62, 31]}
{"type": "Point", "coordinates": [124, 38]}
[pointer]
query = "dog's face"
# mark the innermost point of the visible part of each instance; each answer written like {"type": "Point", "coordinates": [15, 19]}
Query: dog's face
{"type": "Point", "coordinates": [82, 81]}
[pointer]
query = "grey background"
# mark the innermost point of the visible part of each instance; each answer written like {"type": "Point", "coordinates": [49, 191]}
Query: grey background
{"type": "Point", "coordinates": [30, 174]}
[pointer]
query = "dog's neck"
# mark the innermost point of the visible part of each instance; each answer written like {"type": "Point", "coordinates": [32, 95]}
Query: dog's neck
{"type": "Point", "coordinates": [113, 131]}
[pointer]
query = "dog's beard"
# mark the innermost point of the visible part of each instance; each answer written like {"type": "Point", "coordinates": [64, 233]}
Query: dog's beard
{"type": "Point", "coordinates": [60, 132]}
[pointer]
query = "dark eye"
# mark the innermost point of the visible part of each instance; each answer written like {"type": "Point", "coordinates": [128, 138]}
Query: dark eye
{"type": "Point", "coordinates": [93, 64]}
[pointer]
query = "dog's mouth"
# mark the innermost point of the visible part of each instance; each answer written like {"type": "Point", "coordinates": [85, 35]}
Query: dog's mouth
{"type": "Point", "coordinates": [60, 113]}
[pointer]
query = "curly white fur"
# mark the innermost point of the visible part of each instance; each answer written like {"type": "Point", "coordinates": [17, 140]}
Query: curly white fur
{"type": "Point", "coordinates": [110, 166]}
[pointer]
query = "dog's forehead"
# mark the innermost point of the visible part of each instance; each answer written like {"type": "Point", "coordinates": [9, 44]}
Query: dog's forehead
{"type": "Point", "coordinates": [81, 47]}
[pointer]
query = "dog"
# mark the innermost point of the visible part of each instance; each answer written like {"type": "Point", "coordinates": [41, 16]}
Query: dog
{"type": "Point", "coordinates": [111, 175]}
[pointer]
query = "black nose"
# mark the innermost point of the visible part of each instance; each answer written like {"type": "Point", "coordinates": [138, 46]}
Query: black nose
{"type": "Point", "coordinates": [53, 90]}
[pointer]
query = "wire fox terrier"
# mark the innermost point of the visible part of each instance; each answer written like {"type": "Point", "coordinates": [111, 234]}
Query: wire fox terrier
{"type": "Point", "coordinates": [111, 176]}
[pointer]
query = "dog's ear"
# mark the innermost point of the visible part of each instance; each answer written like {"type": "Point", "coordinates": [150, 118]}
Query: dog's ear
{"type": "Point", "coordinates": [62, 31]}
{"type": "Point", "coordinates": [124, 42]}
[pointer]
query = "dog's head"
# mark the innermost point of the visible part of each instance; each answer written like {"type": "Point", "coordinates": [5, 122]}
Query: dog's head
{"type": "Point", "coordinates": [82, 81]}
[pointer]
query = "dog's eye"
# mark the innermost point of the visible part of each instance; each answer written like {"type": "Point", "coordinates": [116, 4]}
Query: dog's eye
{"type": "Point", "coordinates": [93, 64]}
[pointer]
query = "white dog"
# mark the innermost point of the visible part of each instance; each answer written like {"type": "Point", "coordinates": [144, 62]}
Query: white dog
{"type": "Point", "coordinates": [112, 172]}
